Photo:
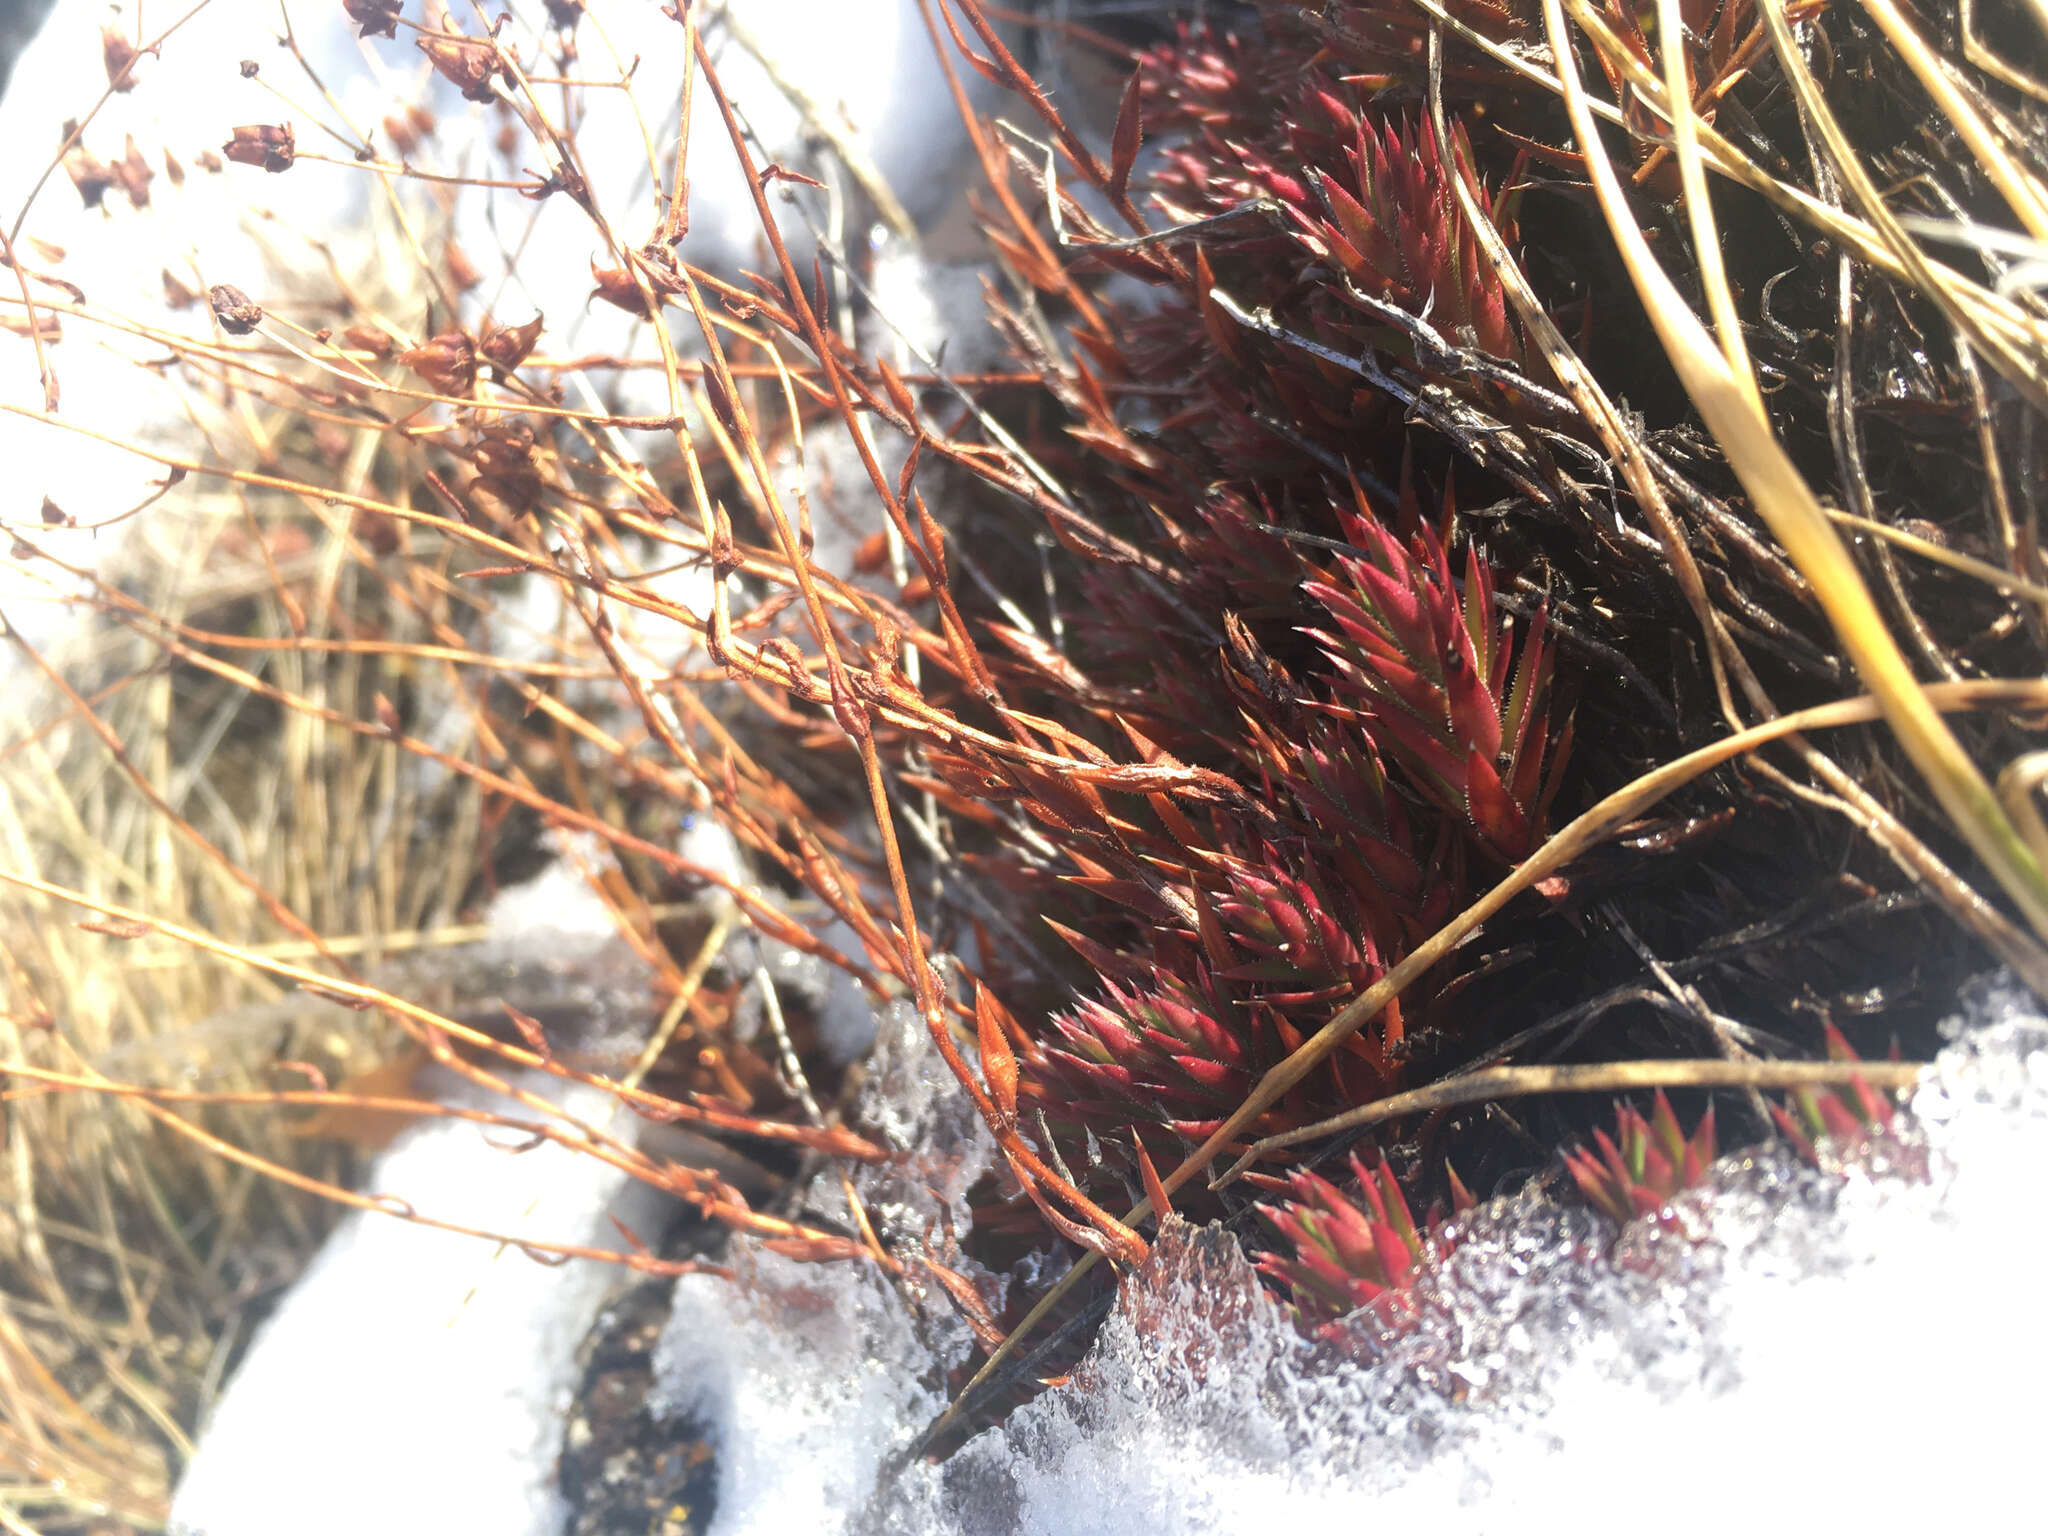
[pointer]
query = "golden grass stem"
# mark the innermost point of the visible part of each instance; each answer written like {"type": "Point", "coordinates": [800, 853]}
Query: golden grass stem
{"type": "Point", "coordinates": [1794, 515]}
{"type": "Point", "coordinates": [1967, 565]}
{"type": "Point", "coordinates": [2022, 190]}
{"type": "Point", "coordinates": [1699, 207]}
{"type": "Point", "coordinates": [1587, 1077]}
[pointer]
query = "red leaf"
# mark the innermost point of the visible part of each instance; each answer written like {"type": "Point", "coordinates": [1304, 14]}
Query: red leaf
{"type": "Point", "coordinates": [117, 929]}
{"type": "Point", "coordinates": [973, 1306]}
{"type": "Point", "coordinates": [1162, 1203]}
{"type": "Point", "coordinates": [1394, 1255]}
{"type": "Point", "coordinates": [815, 1250]}
{"type": "Point", "coordinates": [1499, 820]}
{"type": "Point", "coordinates": [899, 394]}
{"type": "Point", "coordinates": [998, 1062]}
{"type": "Point", "coordinates": [1124, 143]}
{"type": "Point", "coordinates": [1461, 1197]}
{"type": "Point", "coordinates": [1359, 229]}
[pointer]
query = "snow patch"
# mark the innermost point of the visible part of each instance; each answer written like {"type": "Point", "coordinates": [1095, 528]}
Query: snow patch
{"type": "Point", "coordinates": [420, 1379]}
{"type": "Point", "coordinates": [415, 1381]}
{"type": "Point", "coordinates": [813, 1379]}
{"type": "Point", "coordinates": [557, 914]}
{"type": "Point", "coordinates": [1839, 1346]}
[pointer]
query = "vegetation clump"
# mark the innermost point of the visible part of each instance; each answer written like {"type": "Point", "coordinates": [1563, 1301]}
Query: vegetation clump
{"type": "Point", "coordinates": [1500, 567]}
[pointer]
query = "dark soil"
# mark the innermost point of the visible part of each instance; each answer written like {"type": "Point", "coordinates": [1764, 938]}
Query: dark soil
{"type": "Point", "coordinates": [624, 1471]}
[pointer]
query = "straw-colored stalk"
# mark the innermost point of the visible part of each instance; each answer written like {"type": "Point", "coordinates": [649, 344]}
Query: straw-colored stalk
{"type": "Point", "coordinates": [1725, 393]}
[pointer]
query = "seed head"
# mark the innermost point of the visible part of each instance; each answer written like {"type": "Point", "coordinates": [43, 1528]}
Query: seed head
{"type": "Point", "coordinates": [467, 62]}
{"type": "Point", "coordinates": [120, 56]}
{"type": "Point", "coordinates": [237, 313]}
{"type": "Point", "coordinates": [374, 18]}
{"type": "Point", "coordinates": [269, 145]}
{"type": "Point", "coordinates": [91, 175]}
{"type": "Point", "coordinates": [506, 346]}
{"type": "Point", "coordinates": [367, 338]}
{"type": "Point", "coordinates": [133, 174]}
{"type": "Point", "coordinates": [447, 363]}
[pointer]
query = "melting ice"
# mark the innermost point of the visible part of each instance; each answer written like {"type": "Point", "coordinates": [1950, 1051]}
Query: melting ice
{"type": "Point", "coordinates": [1848, 1347]}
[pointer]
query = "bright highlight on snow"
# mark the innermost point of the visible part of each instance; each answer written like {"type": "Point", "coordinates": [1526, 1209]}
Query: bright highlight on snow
{"type": "Point", "coordinates": [1780, 1319]}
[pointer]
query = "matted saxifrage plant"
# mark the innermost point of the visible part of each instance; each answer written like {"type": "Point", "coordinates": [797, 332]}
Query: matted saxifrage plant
{"type": "Point", "coordinates": [1362, 280]}
{"type": "Point", "coordinates": [1387, 733]}
{"type": "Point", "coordinates": [1441, 687]}
{"type": "Point", "coordinates": [1645, 1163]}
{"type": "Point", "coordinates": [1261, 931]}
{"type": "Point", "coordinates": [1847, 1117]}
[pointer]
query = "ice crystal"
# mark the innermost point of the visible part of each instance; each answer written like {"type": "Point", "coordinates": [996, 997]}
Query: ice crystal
{"type": "Point", "coordinates": [1780, 1317]}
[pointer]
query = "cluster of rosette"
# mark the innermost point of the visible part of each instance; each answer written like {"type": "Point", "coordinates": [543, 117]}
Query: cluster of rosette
{"type": "Point", "coordinates": [1342, 1251]}
{"type": "Point", "coordinates": [1412, 742]}
{"type": "Point", "coordinates": [1296, 606]}
{"type": "Point", "coordinates": [1284, 592]}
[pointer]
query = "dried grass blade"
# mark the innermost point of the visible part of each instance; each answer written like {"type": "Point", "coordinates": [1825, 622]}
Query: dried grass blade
{"type": "Point", "coordinates": [1793, 513]}
{"type": "Point", "coordinates": [2021, 190]}
{"type": "Point", "coordinates": [1585, 1077]}
{"type": "Point", "coordinates": [1699, 208]}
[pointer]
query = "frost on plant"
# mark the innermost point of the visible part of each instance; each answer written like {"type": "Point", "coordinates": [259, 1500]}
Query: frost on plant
{"type": "Point", "coordinates": [1548, 1362]}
